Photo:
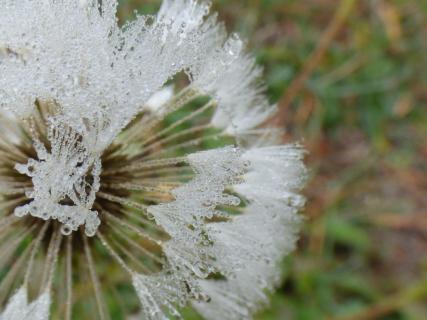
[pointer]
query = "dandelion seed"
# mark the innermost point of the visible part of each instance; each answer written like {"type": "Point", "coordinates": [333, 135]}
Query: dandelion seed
{"type": "Point", "coordinates": [111, 177]}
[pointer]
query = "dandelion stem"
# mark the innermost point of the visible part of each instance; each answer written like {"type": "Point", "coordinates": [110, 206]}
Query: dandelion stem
{"type": "Point", "coordinates": [131, 256]}
{"type": "Point", "coordinates": [176, 124]}
{"type": "Point", "coordinates": [48, 262]}
{"type": "Point", "coordinates": [135, 187]}
{"type": "Point", "coordinates": [123, 201]}
{"type": "Point", "coordinates": [148, 164]}
{"type": "Point", "coordinates": [189, 143]}
{"type": "Point", "coordinates": [11, 245]}
{"type": "Point", "coordinates": [95, 281]}
{"type": "Point", "coordinates": [163, 171]}
{"type": "Point", "coordinates": [54, 261]}
{"type": "Point", "coordinates": [34, 251]}
{"type": "Point", "coordinates": [135, 245]}
{"type": "Point", "coordinates": [69, 279]}
{"type": "Point", "coordinates": [11, 274]}
{"type": "Point", "coordinates": [113, 253]}
{"type": "Point", "coordinates": [141, 219]}
{"type": "Point", "coordinates": [149, 122]}
{"type": "Point", "coordinates": [7, 221]}
{"type": "Point", "coordinates": [128, 225]}
{"type": "Point", "coordinates": [182, 133]}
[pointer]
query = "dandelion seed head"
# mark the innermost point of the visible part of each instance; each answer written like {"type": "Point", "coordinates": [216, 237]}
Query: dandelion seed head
{"type": "Point", "coordinates": [102, 159]}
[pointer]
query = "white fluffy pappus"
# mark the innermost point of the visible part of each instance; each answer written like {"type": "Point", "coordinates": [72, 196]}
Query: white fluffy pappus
{"type": "Point", "coordinates": [103, 161]}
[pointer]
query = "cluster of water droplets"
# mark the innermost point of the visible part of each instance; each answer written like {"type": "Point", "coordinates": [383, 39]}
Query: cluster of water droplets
{"type": "Point", "coordinates": [101, 76]}
{"type": "Point", "coordinates": [61, 189]}
{"type": "Point", "coordinates": [189, 252]}
{"type": "Point", "coordinates": [92, 68]}
{"type": "Point", "coordinates": [19, 307]}
{"type": "Point", "coordinates": [252, 246]}
{"type": "Point", "coordinates": [160, 295]}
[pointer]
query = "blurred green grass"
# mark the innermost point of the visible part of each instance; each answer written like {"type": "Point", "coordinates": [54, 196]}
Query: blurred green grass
{"type": "Point", "coordinates": [362, 115]}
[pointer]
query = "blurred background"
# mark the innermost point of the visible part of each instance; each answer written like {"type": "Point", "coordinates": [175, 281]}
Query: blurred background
{"type": "Point", "coordinates": [350, 81]}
